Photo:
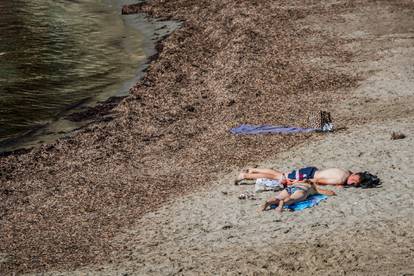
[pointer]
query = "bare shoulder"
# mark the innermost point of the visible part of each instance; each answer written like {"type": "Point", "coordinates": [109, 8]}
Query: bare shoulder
{"type": "Point", "coordinates": [335, 171]}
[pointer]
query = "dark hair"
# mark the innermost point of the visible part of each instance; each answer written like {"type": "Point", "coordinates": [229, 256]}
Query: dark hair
{"type": "Point", "coordinates": [368, 180]}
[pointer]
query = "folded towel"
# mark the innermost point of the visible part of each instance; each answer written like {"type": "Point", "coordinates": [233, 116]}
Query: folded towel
{"type": "Point", "coordinates": [257, 129]}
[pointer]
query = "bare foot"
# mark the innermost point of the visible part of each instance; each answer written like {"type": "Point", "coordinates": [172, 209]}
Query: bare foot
{"type": "Point", "coordinates": [239, 178]}
{"type": "Point", "coordinates": [279, 209]}
{"type": "Point", "coordinates": [250, 170]}
{"type": "Point", "coordinates": [264, 206]}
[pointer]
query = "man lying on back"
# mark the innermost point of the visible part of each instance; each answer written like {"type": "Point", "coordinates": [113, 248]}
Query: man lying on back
{"type": "Point", "coordinates": [333, 176]}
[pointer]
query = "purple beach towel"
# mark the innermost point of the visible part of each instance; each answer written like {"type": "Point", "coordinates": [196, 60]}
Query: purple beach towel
{"type": "Point", "coordinates": [260, 129]}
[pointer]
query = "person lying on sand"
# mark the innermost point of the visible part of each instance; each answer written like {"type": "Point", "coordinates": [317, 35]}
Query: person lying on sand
{"type": "Point", "coordinates": [295, 193]}
{"type": "Point", "coordinates": [332, 176]}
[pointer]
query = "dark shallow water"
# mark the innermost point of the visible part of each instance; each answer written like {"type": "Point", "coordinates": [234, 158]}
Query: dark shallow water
{"type": "Point", "coordinates": [56, 54]}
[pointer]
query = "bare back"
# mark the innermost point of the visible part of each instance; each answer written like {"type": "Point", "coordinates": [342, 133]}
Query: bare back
{"type": "Point", "coordinates": [332, 176]}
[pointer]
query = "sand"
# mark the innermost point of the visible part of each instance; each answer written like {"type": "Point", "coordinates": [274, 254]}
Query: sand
{"type": "Point", "coordinates": [356, 232]}
{"type": "Point", "coordinates": [123, 197]}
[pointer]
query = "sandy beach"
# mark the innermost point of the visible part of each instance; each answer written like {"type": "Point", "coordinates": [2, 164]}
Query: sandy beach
{"type": "Point", "coordinates": [151, 192]}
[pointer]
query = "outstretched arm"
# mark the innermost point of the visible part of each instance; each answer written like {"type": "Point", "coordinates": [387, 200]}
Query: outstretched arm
{"type": "Point", "coordinates": [325, 181]}
{"type": "Point", "coordinates": [324, 192]}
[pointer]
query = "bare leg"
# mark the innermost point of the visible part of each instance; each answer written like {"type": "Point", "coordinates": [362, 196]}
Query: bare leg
{"type": "Point", "coordinates": [270, 202]}
{"type": "Point", "coordinates": [275, 200]}
{"type": "Point", "coordinates": [280, 206]}
{"type": "Point", "coordinates": [254, 173]}
{"type": "Point", "coordinates": [257, 170]}
{"type": "Point", "coordinates": [259, 175]}
{"type": "Point", "coordinates": [297, 196]}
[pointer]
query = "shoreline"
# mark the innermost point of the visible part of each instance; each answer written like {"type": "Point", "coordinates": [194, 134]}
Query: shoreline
{"type": "Point", "coordinates": [91, 110]}
{"type": "Point", "coordinates": [68, 205]}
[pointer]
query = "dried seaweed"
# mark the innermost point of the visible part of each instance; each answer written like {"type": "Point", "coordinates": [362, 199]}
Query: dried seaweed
{"type": "Point", "coordinates": [232, 62]}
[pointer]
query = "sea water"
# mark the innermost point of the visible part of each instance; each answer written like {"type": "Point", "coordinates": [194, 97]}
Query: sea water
{"type": "Point", "coordinates": [60, 54]}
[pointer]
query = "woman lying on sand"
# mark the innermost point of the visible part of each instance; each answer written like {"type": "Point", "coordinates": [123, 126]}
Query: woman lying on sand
{"type": "Point", "coordinates": [295, 193]}
{"type": "Point", "coordinates": [332, 176]}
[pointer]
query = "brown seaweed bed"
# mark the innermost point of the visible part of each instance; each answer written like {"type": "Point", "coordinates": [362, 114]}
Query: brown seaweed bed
{"type": "Point", "coordinates": [231, 62]}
